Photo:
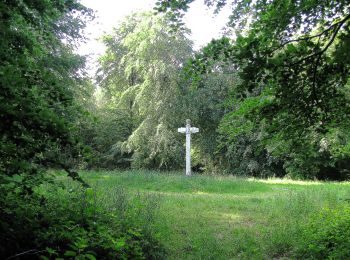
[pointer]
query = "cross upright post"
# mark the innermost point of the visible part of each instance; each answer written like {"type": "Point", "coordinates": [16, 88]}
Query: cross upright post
{"type": "Point", "coordinates": [188, 130]}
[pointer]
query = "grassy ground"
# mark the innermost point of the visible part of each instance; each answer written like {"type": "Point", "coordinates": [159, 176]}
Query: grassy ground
{"type": "Point", "coordinates": [204, 217]}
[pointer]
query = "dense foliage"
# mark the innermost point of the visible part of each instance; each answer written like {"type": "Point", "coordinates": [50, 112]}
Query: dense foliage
{"type": "Point", "coordinates": [140, 77]}
{"type": "Point", "coordinates": [73, 223]}
{"type": "Point", "coordinates": [271, 98]}
{"type": "Point", "coordinates": [44, 97]}
{"type": "Point", "coordinates": [146, 97]}
{"type": "Point", "coordinates": [326, 236]}
{"type": "Point", "coordinates": [289, 108]}
{"type": "Point", "coordinates": [38, 76]}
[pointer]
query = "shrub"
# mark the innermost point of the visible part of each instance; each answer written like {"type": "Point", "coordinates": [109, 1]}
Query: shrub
{"type": "Point", "coordinates": [72, 224]}
{"type": "Point", "coordinates": [327, 235]}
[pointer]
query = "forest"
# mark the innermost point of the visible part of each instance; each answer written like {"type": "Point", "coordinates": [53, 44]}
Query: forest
{"type": "Point", "coordinates": [91, 167]}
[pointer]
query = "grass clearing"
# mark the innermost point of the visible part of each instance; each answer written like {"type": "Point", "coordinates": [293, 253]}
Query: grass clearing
{"type": "Point", "coordinates": [205, 217]}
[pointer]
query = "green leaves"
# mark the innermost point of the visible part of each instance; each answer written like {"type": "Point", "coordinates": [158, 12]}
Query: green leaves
{"type": "Point", "coordinates": [326, 235]}
{"type": "Point", "coordinates": [291, 48]}
{"type": "Point", "coordinates": [140, 76]}
{"type": "Point", "coordinates": [38, 79]}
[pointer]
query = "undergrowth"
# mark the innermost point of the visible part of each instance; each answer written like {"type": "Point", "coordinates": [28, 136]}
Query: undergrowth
{"type": "Point", "coordinates": [72, 222]}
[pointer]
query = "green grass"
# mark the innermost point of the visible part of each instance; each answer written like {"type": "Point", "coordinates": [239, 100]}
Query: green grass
{"type": "Point", "coordinates": [205, 217]}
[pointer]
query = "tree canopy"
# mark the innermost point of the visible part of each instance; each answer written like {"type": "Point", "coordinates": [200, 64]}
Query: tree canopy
{"type": "Point", "coordinates": [292, 96]}
{"type": "Point", "coordinates": [140, 76]}
{"type": "Point", "coordinates": [39, 74]}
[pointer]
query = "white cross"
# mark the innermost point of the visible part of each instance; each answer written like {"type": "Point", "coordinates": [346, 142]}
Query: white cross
{"type": "Point", "coordinates": [188, 130]}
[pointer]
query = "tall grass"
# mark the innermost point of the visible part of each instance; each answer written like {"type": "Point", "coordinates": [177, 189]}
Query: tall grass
{"type": "Point", "coordinates": [206, 217]}
{"type": "Point", "coordinates": [120, 221]}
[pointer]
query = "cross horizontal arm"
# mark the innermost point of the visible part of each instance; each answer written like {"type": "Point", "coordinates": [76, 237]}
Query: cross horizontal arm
{"type": "Point", "coordinates": [181, 130]}
{"type": "Point", "coordinates": [194, 130]}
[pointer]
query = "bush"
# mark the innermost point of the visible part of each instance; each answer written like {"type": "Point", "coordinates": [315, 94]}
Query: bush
{"type": "Point", "coordinates": [327, 235]}
{"type": "Point", "coordinates": [72, 224]}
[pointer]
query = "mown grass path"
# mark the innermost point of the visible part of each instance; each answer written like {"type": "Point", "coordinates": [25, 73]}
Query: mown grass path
{"type": "Point", "coordinates": [204, 217]}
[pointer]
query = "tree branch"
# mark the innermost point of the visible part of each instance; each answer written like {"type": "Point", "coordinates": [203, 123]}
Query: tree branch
{"type": "Point", "coordinates": [74, 175]}
{"type": "Point", "coordinates": [340, 23]}
{"type": "Point", "coordinates": [304, 38]}
{"type": "Point", "coordinates": [314, 79]}
{"type": "Point", "coordinates": [31, 252]}
{"type": "Point", "coordinates": [71, 173]}
{"type": "Point", "coordinates": [336, 30]}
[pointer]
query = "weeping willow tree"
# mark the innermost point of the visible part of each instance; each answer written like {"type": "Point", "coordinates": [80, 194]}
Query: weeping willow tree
{"type": "Point", "coordinates": [139, 75]}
